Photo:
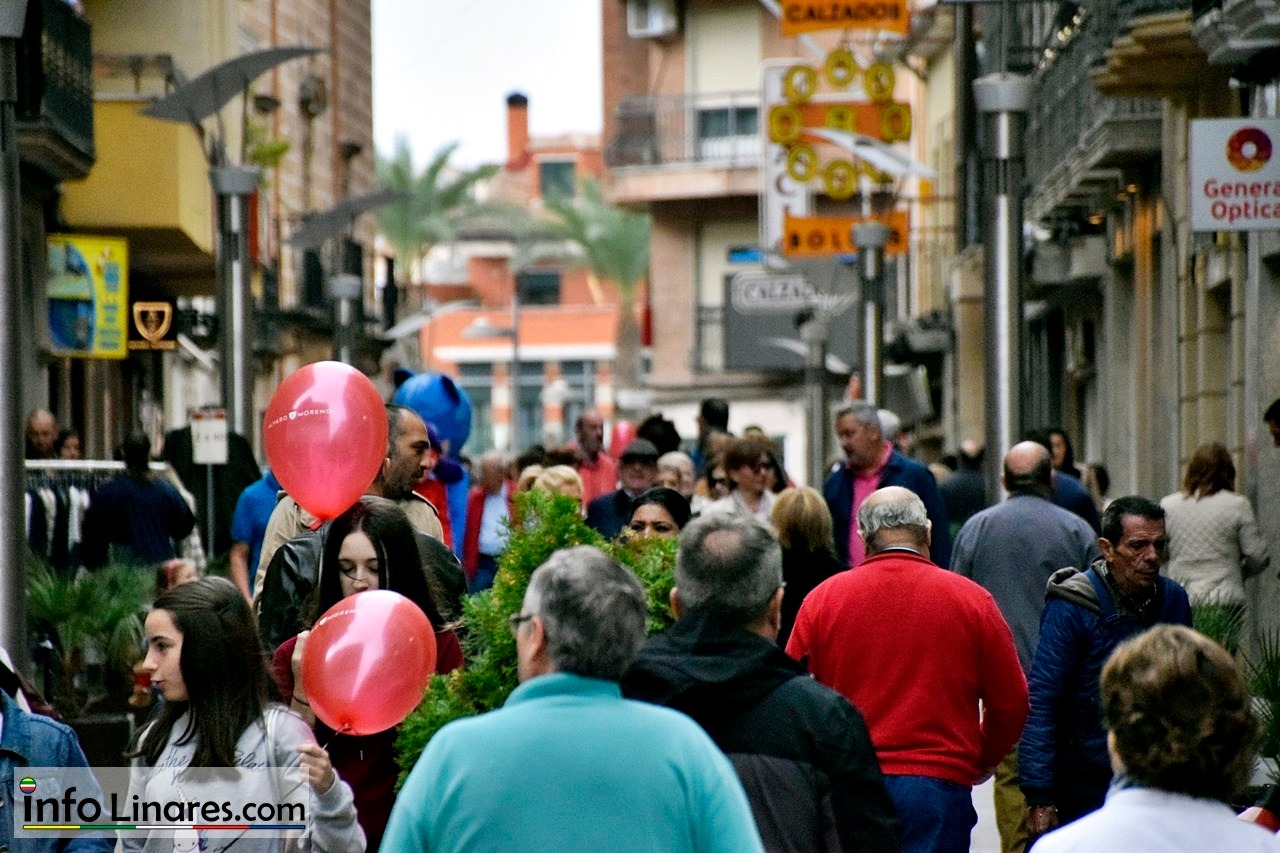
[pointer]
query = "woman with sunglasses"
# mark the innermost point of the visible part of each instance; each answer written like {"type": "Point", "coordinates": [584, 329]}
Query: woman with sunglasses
{"type": "Point", "coordinates": [711, 486]}
{"type": "Point", "coordinates": [370, 546]}
{"type": "Point", "coordinates": [747, 465]}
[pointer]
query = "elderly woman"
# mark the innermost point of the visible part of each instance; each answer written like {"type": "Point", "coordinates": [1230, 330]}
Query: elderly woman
{"type": "Point", "coordinates": [559, 480]}
{"type": "Point", "coordinates": [675, 471]}
{"type": "Point", "coordinates": [1183, 737]}
{"type": "Point", "coordinates": [747, 464]}
{"type": "Point", "coordinates": [1214, 542]}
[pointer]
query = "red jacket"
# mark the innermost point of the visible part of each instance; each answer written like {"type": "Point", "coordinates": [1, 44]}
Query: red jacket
{"type": "Point", "coordinates": [916, 648]}
{"type": "Point", "coordinates": [475, 513]}
{"type": "Point", "coordinates": [433, 490]}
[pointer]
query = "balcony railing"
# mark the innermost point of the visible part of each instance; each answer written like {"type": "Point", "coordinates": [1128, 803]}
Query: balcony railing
{"type": "Point", "coordinates": [1067, 111]}
{"type": "Point", "coordinates": [55, 89]}
{"type": "Point", "coordinates": [720, 129]}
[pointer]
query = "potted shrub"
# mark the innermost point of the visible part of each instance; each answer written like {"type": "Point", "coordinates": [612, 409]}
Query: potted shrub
{"type": "Point", "coordinates": [89, 628]}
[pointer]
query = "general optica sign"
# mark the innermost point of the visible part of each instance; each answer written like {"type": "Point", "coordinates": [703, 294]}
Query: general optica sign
{"type": "Point", "coordinates": [1235, 174]}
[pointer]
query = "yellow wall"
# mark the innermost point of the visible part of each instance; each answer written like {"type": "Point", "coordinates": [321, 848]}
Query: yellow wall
{"type": "Point", "coordinates": [149, 174]}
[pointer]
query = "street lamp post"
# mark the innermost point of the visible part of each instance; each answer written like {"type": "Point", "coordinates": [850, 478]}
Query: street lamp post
{"type": "Point", "coordinates": [814, 332]}
{"type": "Point", "coordinates": [191, 103]}
{"type": "Point", "coordinates": [344, 289]}
{"type": "Point", "coordinates": [871, 238]}
{"type": "Point", "coordinates": [233, 185]}
{"type": "Point", "coordinates": [13, 567]}
{"type": "Point", "coordinates": [1003, 99]}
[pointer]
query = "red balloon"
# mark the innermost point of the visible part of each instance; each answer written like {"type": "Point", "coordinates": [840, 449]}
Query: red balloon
{"type": "Point", "coordinates": [367, 662]}
{"type": "Point", "coordinates": [325, 433]}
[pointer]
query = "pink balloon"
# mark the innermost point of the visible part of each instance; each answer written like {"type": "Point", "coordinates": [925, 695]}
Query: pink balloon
{"type": "Point", "coordinates": [325, 433]}
{"type": "Point", "coordinates": [367, 662]}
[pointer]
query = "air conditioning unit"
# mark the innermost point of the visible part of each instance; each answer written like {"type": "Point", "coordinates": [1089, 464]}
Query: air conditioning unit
{"type": "Point", "coordinates": [652, 19]}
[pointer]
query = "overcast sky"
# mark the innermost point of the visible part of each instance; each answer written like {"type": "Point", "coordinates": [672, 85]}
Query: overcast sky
{"type": "Point", "coordinates": [442, 70]}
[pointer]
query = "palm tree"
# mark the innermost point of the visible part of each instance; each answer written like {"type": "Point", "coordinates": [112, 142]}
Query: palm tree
{"type": "Point", "coordinates": [614, 247]}
{"type": "Point", "coordinates": [437, 200]}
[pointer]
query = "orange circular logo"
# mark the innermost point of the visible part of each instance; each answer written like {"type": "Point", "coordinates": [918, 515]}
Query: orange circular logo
{"type": "Point", "coordinates": [1248, 149]}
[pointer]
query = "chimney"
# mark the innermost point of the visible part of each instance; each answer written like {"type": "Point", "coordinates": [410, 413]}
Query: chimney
{"type": "Point", "coordinates": [517, 130]}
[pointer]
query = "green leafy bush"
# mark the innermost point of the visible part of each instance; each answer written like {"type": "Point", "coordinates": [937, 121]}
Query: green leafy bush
{"type": "Point", "coordinates": [552, 523]}
{"type": "Point", "coordinates": [98, 614]}
{"type": "Point", "coordinates": [1220, 624]}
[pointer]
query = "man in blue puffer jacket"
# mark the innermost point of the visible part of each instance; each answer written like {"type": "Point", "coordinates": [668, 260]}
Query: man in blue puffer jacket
{"type": "Point", "coordinates": [1063, 757]}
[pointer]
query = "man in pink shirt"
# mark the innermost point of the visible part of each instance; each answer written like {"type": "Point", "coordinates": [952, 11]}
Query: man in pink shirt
{"type": "Point", "coordinates": [599, 473]}
{"type": "Point", "coordinates": [872, 464]}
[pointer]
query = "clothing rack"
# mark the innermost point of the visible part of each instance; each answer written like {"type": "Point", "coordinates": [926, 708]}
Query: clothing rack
{"type": "Point", "coordinates": [57, 495]}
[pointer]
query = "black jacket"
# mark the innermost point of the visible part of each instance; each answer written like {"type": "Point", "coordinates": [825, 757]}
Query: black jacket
{"type": "Point", "coordinates": [609, 513]}
{"type": "Point", "coordinates": [801, 749]}
{"type": "Point", "coordinates": [292, 573]}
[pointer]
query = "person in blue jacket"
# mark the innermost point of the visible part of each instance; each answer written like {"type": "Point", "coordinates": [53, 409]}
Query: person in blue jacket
{"type": "Point", "coordinates": [31, 740]}
{"type": "Point", "coordinates": [1063, 757]}
{"type": "Point", "coordinates": [873, 463]}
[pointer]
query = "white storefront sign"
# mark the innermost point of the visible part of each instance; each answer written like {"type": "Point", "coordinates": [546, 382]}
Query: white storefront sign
{"type": "Point", "coordinates": [209, 436]}
{"type": "Point", "coordinates": [1235, 174]}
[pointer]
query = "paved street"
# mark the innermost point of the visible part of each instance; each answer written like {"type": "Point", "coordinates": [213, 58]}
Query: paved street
{"type": "Point", "coordinates": [985, 839]}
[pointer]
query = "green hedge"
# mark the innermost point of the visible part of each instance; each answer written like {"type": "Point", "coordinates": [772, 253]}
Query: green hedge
{"type": "Point", "coordinates": [554, 522]}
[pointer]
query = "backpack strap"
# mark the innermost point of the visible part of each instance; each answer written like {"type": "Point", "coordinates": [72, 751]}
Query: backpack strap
{"type": "Point", "coordinates": [1106, 604]}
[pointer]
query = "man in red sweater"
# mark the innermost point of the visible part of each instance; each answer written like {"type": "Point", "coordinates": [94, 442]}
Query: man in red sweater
{"type": "Point", "coordinates": [917, 649]}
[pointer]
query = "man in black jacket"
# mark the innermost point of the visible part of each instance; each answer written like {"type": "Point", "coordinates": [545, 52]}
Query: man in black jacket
{"type": "Point", "coordinates": [801, 749]}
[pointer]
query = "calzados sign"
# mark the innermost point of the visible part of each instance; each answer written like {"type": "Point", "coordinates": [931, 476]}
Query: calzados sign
{"type": "Point", "coordinates": [802, 16]}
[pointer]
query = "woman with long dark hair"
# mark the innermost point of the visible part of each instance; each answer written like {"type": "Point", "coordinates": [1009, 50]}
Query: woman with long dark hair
{"type": "Point", "coordinates": [370, 546]}
{"type": "Point", "coordinates": [204, 656]}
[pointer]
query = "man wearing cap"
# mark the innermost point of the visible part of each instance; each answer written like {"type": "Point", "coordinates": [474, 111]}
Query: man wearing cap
{"type": "Point", "coordinates": [637, 471]}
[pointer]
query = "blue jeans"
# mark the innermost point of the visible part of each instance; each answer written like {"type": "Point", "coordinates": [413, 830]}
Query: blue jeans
{"type": "Point", "coordinates": [486, 569]}
{"type": "Point", "coordinates": [934, 816]}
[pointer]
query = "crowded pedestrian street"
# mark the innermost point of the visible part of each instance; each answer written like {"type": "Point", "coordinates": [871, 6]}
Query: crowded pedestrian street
{"type": "Point", "coordinates": [655, 425]}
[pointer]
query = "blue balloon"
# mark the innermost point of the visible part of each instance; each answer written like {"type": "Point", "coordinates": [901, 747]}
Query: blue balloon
{"type": "Point", "coordinates": [438, 400]}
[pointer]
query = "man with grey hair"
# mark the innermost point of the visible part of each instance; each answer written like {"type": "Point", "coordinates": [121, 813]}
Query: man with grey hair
{"type": "Point", "coordinates": [567, 763]}
{"type": "Point", "coordinates": [918, 651]}
{"type": "Point", "coordinates": [801, 749]}
{"type": "Point", "coordinates": [874, 463]}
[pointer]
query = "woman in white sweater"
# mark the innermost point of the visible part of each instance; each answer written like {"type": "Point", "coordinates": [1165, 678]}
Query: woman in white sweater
{"type": "Point", "coordinates": [1214, 543]}
{"type": "Point", "coordinates": [204, 656]}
